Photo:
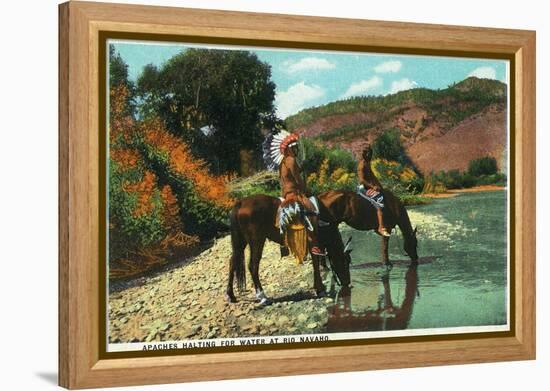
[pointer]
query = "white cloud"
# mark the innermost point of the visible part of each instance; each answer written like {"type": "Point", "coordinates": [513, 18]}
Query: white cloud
{"type": "Point", "coordinates": [402, 85]}
{"type": "Point", "coordinates": [484, 73]}
{"type": "Point", "coordinates": [296, 98]}
{"type": "Point", "coordinates": [362, 87]}
{"type": "Point", "coordinates": [308, 64]}
{"type": "Point", "coordinates": [388, 67]}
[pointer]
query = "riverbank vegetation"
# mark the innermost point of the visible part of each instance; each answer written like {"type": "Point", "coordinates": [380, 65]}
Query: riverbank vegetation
{"type": "Point", "coordinates": [480, 172]}
{"type": "Point", "coordinates": [163, 199]}
{"type": "Point", "coordinates": [332, 168]}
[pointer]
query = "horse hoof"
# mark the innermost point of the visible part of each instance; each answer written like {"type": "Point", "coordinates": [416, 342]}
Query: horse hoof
{"type": "Point", "coordinates": [264, 301]}
{"type": "Point", "coordinates": [321, 294]}
{"type": "Point", "coordinates": [260, 296]}
{"type": "Point", "coordinates": [230, 298]}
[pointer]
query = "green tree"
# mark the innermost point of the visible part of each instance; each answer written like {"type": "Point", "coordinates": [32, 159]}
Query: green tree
{"type": "Point", "coordinates": [215, 100]}
{"type": "Point", "coordinates": [316, 153]}
{"type": "Point", "coordinates": [388, 146]}
{"type": "Point", "coordinates": [483, 166]}
{"type": "Point", "coordinates": [118, 75]}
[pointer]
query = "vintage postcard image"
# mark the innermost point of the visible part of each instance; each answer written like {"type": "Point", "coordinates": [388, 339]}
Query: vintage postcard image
{"type": "Point", "coordinates": [260, 196]}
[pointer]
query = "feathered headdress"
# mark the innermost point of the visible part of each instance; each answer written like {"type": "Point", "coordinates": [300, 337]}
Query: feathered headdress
{"type": "Point", "coordinates": [274, 147]}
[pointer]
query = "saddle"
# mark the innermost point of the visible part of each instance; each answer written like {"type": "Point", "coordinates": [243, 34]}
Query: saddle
{"type": "Point", "coordinates": [291, 210]}
{"type": "Point", "coordinates": [292, 221]}
{"type": "Point", "coordinates": [374, 197]}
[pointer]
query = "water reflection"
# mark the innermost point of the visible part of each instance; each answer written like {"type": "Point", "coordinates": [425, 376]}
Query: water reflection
{"type": "Point", "coordinates": [382, 314]}
{"type": "Point", "coordinates": [463, 273]}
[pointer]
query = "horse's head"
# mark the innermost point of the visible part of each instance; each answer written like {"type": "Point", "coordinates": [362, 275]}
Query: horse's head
{"type": "Point", "coordinates": [410, 245]}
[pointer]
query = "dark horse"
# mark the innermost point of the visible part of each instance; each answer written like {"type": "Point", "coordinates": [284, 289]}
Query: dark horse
{"type": "Point", "coordinates": [253, 221]}
{"type": "Point", "coordinates": [348, 207]}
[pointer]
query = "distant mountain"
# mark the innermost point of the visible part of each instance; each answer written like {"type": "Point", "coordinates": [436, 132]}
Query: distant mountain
{"type": "Point", "coordinates": [440, 129]}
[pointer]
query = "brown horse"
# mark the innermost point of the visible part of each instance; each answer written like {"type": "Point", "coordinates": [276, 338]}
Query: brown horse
{"type": "Point", "coordinates": [253, 221]}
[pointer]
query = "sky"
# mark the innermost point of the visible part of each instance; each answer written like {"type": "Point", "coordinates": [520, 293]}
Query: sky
{"type": "Point", "coordinates": [307, 78]}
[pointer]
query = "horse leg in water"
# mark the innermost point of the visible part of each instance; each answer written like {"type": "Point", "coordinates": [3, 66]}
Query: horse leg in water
{"type": "Point", "coordinates": [312, 242]}
{"type": "Point", "coordinates": [256, 249]}
{"type": "Point", "coordinates": [325, 272]}
{"type": "Point", "coordinates": [385, 253]}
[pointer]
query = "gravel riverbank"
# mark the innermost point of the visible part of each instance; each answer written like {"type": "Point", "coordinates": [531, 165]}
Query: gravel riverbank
{"type": "Point", "coordinates": [187, 302]}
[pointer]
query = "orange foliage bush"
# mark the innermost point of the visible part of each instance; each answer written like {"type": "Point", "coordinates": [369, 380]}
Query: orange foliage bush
{"type": "Point", "coordinates": [145, 189]}
{"type": "Point", "coordinates": [171, 209]}
{"type": "Point", "coordinates": [182, 162]}
{"type": "Point", "coordinates": [121, 123]}
{"type": "Point", "coordinates": [145, 226]}
{"type": "Point", "coordinates": [126, 157]}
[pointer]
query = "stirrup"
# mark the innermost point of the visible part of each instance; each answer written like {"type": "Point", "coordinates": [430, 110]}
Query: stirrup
{"type": "Point", "coordinates": [317, 251]}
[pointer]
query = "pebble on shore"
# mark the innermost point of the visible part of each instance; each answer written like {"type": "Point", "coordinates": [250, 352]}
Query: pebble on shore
{"type": "Point", "coordinates": [188, 302]}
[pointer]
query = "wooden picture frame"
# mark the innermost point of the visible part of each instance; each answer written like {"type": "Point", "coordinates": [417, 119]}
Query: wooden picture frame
{"type": "Point", "coordinates": [81, 364]}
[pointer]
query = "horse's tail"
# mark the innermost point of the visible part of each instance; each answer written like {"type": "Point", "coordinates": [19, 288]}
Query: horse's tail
{"type": "Point", "coordinates": [238, 244]}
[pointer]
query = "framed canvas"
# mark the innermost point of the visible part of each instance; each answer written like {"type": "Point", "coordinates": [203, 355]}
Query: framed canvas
{"type": "Point", "coordinates": [205, 153]}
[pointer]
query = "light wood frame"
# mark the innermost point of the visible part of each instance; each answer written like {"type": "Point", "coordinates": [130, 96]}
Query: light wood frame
{"type": "Point", "coordinates": [80, 23]}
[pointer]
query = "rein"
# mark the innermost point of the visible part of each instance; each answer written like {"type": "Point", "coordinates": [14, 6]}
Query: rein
{"type": "Point", "coordinates": [334, 275]}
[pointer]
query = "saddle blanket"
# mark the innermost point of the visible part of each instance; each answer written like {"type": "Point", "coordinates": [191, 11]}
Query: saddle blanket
{"type": "Point", "coordinates": [293, 210]}
{"type": "Point", "coordinates": [376, 198]}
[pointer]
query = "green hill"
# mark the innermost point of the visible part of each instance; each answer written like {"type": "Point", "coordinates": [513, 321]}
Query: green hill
{"type": "Point", "coordinates": [420, 115]}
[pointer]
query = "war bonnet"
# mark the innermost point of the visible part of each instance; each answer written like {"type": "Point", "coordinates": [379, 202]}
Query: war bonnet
{"type": "Point", "coordinates": [274, 147]}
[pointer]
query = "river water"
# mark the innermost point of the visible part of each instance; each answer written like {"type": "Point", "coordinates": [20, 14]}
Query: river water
{"type": "Point", "coordinates": [461, 279]}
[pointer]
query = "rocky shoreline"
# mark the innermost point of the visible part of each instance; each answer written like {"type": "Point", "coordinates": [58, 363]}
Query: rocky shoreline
{"type": "Point", "coordinates": [188, 301]}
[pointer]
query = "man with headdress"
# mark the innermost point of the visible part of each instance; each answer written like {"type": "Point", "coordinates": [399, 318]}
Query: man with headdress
{"type": "Point", "coordinates": [281, 149]}
{"type": "Point", "coordinates": [371, 188]}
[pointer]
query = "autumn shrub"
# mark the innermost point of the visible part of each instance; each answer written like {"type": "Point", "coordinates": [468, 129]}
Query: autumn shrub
{"type": "Point", "coordinates": [142, 215]}
{"type": "Point", "coordinates": [135, 210]}
{"type": "Point", "coordinates": [397, 177]}
{"type": "Point", "coordinates": [160, 197]}
{"type": "Point", "coordinates": [202, 197]}
{"type": "Point", "coordinates": [326, 179]}
{"type": "Point", "coordinates": [135, 219]}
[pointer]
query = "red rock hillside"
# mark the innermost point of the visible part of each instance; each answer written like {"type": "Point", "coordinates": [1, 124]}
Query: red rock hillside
{"type": "Point", "coordinates": [440, 129]}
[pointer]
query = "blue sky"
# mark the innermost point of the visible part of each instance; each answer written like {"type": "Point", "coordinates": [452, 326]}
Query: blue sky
{"type": "Point", "coordinates": [306, 78]}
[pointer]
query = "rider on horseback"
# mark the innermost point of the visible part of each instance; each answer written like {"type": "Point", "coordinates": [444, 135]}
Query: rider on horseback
{"type": "Point", "coordinates": [293, 188]}
{"type": "Point", "coordinates": [282, 149]}
{"type": "Point", "coordinates": [371, 188]}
